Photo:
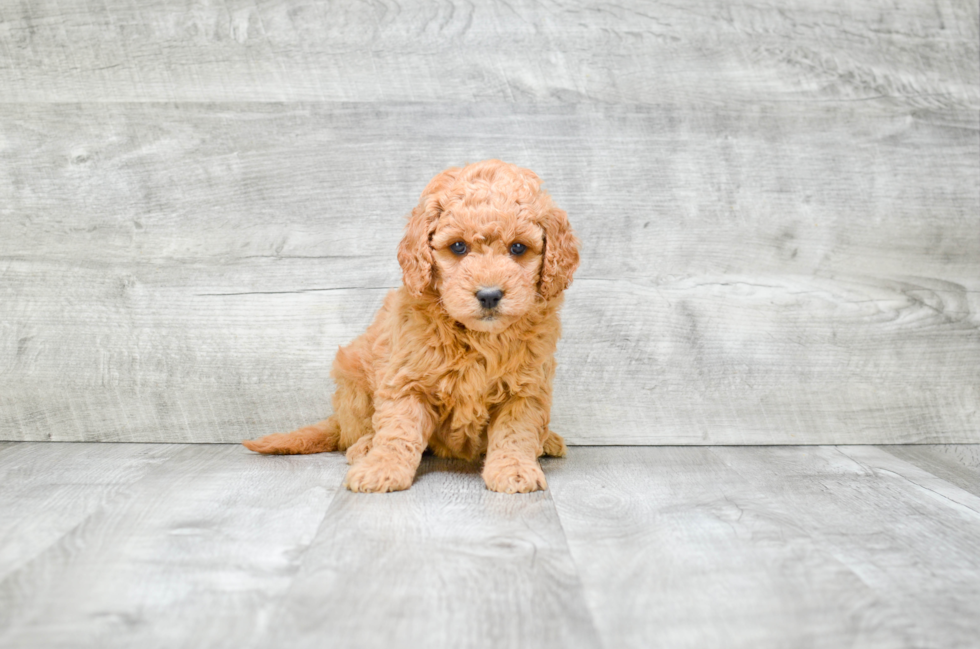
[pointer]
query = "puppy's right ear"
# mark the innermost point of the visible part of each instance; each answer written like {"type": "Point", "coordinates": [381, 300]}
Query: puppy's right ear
{"type": "Point", "coordinates": [415, 252]}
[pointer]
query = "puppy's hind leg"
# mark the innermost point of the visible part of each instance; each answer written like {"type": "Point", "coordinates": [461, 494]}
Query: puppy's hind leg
{"type": "Point", "coordinates": [354, 406]}
{"type": "Point", "coordinates": [321, 437]}
{"type": "Point", "coordinates": [360, 448]}
{"type": "Point", "coordinates": [554, 445]}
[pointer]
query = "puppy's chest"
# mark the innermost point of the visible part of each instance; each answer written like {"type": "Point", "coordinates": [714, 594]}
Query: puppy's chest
{"type": "Point", "coordinates": [465, 394]}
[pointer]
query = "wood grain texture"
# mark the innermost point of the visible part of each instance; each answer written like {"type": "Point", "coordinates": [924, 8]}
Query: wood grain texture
{"type": "Point", "coordinates": [194, 551]}
{"type": "Point", "coordinates": [914, 53]}
{"type": "Point", "coordinates": [878, 460]}
{"type": "Point", "coordinates": [49, 491]}
{"type": "Point", "coordinates": [958, 464]}
{"type": "Point", "coordinates": [778, 204]}
{"type": "Point", "coordinates": [135, 545]}
{"type": "Point", "coordinates": [770, 547]}
{"type": "Point", "coordinates": [754, 275]}
{"type": "Point", "coordinates": [446, 564]}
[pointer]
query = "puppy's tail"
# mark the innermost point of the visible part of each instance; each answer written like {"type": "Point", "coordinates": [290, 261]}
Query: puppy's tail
{"type": "Point", "coordinates": [321, 437]}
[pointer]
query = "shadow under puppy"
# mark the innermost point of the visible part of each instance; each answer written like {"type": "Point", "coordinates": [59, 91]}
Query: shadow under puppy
{"type": "Point", "coordinates": [460, 359]}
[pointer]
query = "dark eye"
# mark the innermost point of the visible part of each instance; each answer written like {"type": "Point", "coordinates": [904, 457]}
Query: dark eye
{"type": "Point", "coordinates": [517, 249]}
{"type": "Point", "coordinates": [458, 248]}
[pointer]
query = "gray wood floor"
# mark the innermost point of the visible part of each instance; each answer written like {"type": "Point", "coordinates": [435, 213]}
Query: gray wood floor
{"type": "Point", "coordinates": [778, 205]}
{"type": "Point", "coordinates": [150, 545]}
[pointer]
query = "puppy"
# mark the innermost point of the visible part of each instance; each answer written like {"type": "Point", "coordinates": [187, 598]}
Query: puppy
{"type": "Point", "coordinates": [460, 359]}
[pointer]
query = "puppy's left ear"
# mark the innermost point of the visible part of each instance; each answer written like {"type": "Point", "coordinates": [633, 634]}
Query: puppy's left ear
{"type": "Point", "coordinates": [560, 254]}
{"type": "Point", "coordinates": [415, 252]}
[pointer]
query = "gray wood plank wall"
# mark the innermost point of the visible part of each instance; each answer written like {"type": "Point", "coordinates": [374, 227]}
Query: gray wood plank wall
{"type": "Point", "coordinates": [779, 208]}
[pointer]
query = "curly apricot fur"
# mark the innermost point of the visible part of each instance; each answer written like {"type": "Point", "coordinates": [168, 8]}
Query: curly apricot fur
{"type": "Point", "coordinates": [440, 369]}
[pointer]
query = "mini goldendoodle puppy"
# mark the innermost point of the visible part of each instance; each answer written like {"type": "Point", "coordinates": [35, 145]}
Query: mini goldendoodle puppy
{"type": "Point", "coordinates": [460, 359]}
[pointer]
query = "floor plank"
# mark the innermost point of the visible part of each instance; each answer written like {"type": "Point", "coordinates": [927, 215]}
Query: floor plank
{"type": "Point", "coordinates": [955, 463]}
{"type": "Point", "coordinates": [193, 553]}
{"type": "Point", "coordinates": [49, 490]}
{"type": "Point", "coordinates": [119, 545]}
{"type": "Point", "coordinates": [768, 547]}
{"type": "Point", "coordinates": [445, 564]}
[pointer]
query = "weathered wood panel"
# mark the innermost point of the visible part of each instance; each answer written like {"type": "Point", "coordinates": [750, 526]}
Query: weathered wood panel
{"type": "Point", "coordinates": [196, 551]}
{"type": "Point", "coordinates": [48, 491]}
{"type": "Point", "coordinates": [135, 545]}
{"type": "Point", "coordinates": [211, 546]}
{"type": "Point", "coordinates": [778, 204]}
{"type": "Point", "coordinates": [955, 463]}
{"type": "Point", "coordinates": [770, 547]}
{"type": "Point", "coordinates": [777, 273]}
{"type": "Point", "coordinates": [916, 53]}
{"type": "Point", "coordinates": [444, 564]}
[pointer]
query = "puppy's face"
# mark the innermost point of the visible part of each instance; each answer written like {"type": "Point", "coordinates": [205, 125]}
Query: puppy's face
{"type": "Point", "coordinates": [487, 263]}
{"type": "Point", "coordinates": [488, 242]}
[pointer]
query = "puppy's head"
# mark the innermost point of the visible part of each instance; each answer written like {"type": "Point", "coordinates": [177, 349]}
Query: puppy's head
{"type": "Point", "coordinates": [489, 242]}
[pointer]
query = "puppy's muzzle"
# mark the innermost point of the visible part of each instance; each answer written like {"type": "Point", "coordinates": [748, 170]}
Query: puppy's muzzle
{"type": "Point", "coordinates": [489, 297]}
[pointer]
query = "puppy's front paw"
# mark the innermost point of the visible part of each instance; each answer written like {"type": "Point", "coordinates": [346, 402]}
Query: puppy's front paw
{"type": "Point", "coordinates": [374, 474]}
{"type": "Point", "coordinates": [512, 477]}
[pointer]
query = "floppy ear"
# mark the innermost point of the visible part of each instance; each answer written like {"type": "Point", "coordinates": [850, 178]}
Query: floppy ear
{"type": "Point", "coordinates": [560, 254]}
{"type": "Point", "coordinates": [414, 252]}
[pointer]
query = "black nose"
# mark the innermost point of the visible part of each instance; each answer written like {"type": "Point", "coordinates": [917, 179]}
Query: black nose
{"type": "Point", "coordinates": [489, 297]}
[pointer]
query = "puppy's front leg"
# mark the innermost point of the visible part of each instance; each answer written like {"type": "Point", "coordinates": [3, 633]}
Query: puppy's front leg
{"type": "Point", "coordinates": [402, 429]}
{"type": "Point", "coordinates": [513, 447]}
